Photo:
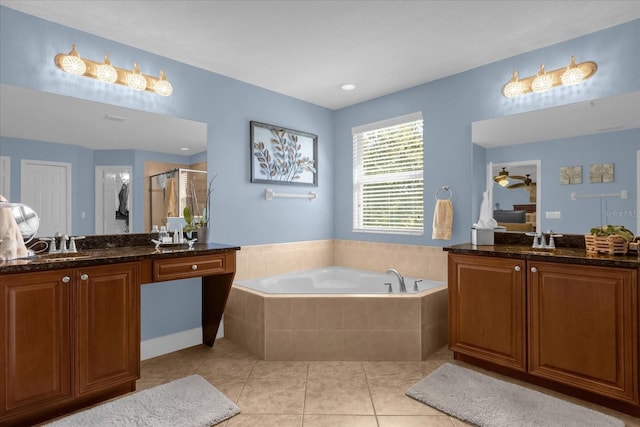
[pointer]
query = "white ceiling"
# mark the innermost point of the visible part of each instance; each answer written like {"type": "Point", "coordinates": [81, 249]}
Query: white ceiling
{"type": "Point", "coordinates": [600, 115]}
{"type": "Point", "coordinates": [336, 41]}
{"type": "Point", "coordinates": [41, 116]}
{"type": "Point", "coordinates": [306, 49]}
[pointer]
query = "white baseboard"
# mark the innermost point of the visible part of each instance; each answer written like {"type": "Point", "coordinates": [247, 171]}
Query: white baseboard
{"type": "Point", "coordinates": [173, 342]}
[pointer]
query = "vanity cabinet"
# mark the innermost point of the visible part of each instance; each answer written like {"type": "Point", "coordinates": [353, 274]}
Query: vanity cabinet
{"type": "Point", "coordinates": [583, 327]}
{"type": "Point", "coordinates": [487, 309]}
{"type": "Point", "coordinates": [70, 336]}
{"type": "Point", "coordinates": [552, 323]}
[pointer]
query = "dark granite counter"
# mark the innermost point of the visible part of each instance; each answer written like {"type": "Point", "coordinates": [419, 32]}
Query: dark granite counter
{"type": "Point", "coordinates": [570, 249]}
{"type": "Point", "coordinates": [100, 250]}
{"type": "Point", "coordinates": [564, 255]}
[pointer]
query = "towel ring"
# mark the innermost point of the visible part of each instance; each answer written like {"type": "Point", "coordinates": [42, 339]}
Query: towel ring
{"type": "Point", "coordinates": [445, 188]}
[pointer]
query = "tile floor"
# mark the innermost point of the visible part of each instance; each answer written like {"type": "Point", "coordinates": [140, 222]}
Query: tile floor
{"type": "Point", "coordinates": [314, 394]}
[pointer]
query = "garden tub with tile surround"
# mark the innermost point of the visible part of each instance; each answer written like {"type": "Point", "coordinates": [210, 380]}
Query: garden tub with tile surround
{"type": "Point", "coordinates": [337, 314]}
{"type": "Point", "coordinates": [334, 280]}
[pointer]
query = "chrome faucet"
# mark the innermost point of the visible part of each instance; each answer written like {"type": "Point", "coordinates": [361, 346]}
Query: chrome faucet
{"type": "Point", "coordinates": [539, 240]}
{"type": "Point", "coordinates": [403, 288]}
{"type": "Point", "coordinates": [63, 249]}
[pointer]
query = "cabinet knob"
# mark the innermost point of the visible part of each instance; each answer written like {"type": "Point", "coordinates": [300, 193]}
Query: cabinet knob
{"type": "Point", "coordinates": [534, 270]}
{"type": "Point", "coordinates": [194, 267]}
{"type": "Point", "coordinates": [66, 279]}
{"type": "Point", "coordinates": [516, 268]}
{"type": "Point", "coordinates": [84, 277]}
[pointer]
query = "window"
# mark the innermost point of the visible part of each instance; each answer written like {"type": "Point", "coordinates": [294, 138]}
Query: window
{"type": "Point", "coordinates": [387, 176]}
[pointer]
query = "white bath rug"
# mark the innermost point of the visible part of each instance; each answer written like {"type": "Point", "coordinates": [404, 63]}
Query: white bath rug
{"type": "Point", "coordinates": [187, 402]}
{"type": "Point", "coordinates": [489, 402]}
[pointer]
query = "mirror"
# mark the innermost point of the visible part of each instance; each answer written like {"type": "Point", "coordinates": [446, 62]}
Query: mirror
{"type": "Point", "coordinates": [27, 221]}
{"type": "Point", "coordinates": [584, 135]}
{"type": "Point", "coordinates": [55, 131]}
{"type": "Point", "coordinates": [516, 186]}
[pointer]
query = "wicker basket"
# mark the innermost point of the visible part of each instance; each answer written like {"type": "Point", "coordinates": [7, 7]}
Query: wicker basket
{"type": "Point", "coordinates": [612, 245]}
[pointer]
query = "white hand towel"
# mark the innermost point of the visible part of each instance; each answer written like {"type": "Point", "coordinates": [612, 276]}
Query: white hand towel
{"type": "Point", "coordinates": [442, 220]}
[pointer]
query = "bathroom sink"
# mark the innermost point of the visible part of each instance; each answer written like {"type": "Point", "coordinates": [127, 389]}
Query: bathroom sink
{"type": "Point", "coordinates": [539, 252]}
{"type": "Point", "coordinates": [64, 257]}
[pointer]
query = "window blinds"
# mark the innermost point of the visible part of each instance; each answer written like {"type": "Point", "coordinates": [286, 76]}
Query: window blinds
{"type": "Point", "coordinates": [388, 176]}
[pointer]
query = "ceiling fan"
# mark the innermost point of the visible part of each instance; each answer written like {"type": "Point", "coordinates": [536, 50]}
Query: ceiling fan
{"type": "Point", "coordinates": [526, 183]}
{"type": "Point", "coordinates": [503, 178]}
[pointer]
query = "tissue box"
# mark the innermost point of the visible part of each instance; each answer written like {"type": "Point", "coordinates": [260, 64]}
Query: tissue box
{"type": "Point", "coordinates": [481, 236]}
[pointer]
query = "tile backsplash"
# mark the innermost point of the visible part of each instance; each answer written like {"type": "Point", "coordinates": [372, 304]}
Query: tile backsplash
{"type": "Point", "coordinates": [425, 262]}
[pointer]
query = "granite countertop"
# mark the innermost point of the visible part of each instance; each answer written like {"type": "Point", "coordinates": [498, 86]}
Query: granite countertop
{"type": "Point", "coordinates": [100, 250]}
{"type": "Point", "coordinates": [564, 255]}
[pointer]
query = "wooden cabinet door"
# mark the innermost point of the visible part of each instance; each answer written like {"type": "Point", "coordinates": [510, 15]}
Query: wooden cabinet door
{"type": "Point", "coordinates": [487, 309]}
{"type": "Point", "coordinates": [108, 325]}
{"type": "Point", "coordinates": [36, 359]}
{"type": "Point", "coordinates": [584, 327]}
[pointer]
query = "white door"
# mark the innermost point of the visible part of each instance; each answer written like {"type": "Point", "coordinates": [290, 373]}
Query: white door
{"type": "Point", "coordinates": [113, 199]}
{"type": "Point", "coordinates": [46, 188]}
{"type": "Point", "coordinates": [5, 177]}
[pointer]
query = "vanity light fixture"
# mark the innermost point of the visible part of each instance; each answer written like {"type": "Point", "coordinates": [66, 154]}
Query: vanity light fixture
{"type": "Point", "coordinates": [73, 63]}
{"type": "Point", "coordinates": [543, 81]}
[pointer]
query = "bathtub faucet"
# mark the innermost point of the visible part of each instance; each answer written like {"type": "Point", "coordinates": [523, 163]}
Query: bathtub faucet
{"type": "Point", "coordinates": [403, 288]}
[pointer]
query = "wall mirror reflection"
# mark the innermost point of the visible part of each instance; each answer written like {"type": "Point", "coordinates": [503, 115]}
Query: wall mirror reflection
{"type": "Point", "coordinates": [515, 195]}
{"type": "Point", "coordinates": [599, 131]}
{"type": "Point", "coordinates": [68, 158]}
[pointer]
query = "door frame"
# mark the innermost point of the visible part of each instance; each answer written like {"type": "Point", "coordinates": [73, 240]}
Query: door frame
{"type": "Point", "coordinates": [24, 164]}
{"type": "Point", "coordinates": [5, 177]}
{"type": "Point", "coordinates": [99, 195]}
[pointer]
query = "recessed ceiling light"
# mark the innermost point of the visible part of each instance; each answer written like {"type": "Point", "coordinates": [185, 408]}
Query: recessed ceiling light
{"type": "Point", "coordinates": [348, 86]}
{"type": "Point", "coordinates": [184, 149]}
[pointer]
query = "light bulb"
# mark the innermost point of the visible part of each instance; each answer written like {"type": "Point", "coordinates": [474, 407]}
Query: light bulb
{"type": "Point", "coordinates": [542, 82]}
{"type": "Point", "coordinates": [72, 63]}
{"type": "Point", "coordinates": [163, 86]}
{"type": "Point", "coordinates": [573, 75]}
{"type": "Point", "coordinates": [503, 182]}
{"type": "Point", "coordinates": [106, 72]}
{"type": "Point", "coordinates": [135, 80]}
{"type": "Point", "coordinates": [514, 87]}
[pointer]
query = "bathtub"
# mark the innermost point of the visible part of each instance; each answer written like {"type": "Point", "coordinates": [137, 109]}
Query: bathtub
{"type": "Point", "coordinates": [337, 313]}
{"type": "Point", "coordinates": [335, 280]}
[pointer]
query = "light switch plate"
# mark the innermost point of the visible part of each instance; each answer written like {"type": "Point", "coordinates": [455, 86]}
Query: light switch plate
{"type": "Point", "coordinates": [553, 215]}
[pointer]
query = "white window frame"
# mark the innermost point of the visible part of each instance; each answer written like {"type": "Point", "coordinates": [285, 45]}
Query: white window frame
{"type": "Point", "coordinates": [363, 133]}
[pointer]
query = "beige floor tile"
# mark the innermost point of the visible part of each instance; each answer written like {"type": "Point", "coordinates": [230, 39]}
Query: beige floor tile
{"type": "Point", "coordinates": [226, 368]}
{"type": "Point", "coordinates": [251, 420]}
{"type": "Point", "coordinates": [225, 349]}
{"type": "Point", "coordinates": [415, 421]}
{"type": "Point", "coordinates": [272, 396]}
{"type": "Point", "coordinates": [339, 421]}
{"type": "Point", "coordinates": [331, 396]}
{"type": "Point", "coordinates": [336, 370]}
{"type": "Point", "coordinates": [389, 398]}
{"type": "Point", "coordinates": [280, 369]}
{"type": "Point", "coordinates": [457, 423]}
{"type": "Point", "coordinates": [230, 387]}
{"type": "Point", "coordinates": [387, 369]}
{"type": "Point", "coordinates": [428, 366]}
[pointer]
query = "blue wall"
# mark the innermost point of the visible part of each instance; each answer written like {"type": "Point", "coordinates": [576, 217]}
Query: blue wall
{"type": "Point", "coordinates": [578, 216]}
{"type": "Point", "coordinates": [451, 104]}
{"type": "Point", "coordinates": [241, 215]}
{"type": "Point", "coordinates": [83, 162]}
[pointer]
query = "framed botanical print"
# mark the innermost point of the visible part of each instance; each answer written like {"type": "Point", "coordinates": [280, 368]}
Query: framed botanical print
{"type": "Point", "coordinates": [283, 156]}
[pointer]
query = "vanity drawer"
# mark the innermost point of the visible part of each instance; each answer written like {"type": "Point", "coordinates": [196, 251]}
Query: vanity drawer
{"type": "Point", "coordinates": [197, 266]}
